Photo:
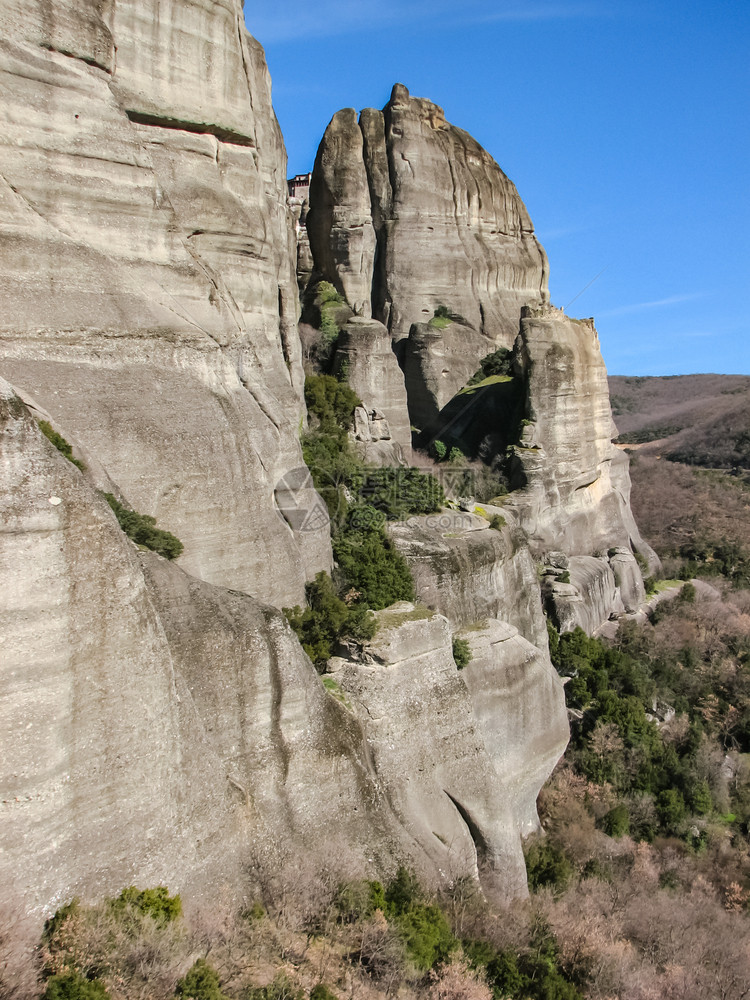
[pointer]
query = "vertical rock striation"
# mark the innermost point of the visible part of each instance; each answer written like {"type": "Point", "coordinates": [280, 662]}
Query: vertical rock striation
{"type": "Point", "coordinates": [148, 291]}
{"type": "Point", "coordinates": [155, 723]}
{"type": "Point", "coordinates": [576, 492]}
{"type": "Point", "coordinates": [450, 228]}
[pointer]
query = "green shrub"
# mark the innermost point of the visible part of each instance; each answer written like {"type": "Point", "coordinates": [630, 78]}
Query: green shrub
{"type": "Point", "coordinates": [546, 864]}
{"type": "Point", "coordinates": [534, 975]}
{"type": "Point", "coordinates": [499, 362]}
{"type": "Point", "coordinates": [329, 302]}
{"type": "Point", "coordinates": [282, 988]}
{"type": "Point", "coordinates": [358, 899]}
{"type": "Point", "coordinates": [325, 293]}
{"type": "Point", "coordinates": [332, 402]}
{"type": "Point", "coordinates": [74, 986]}
{"type": "Point", "coordinates": [439, 450]}
{"type": "Point", "coordinates": [421, 926]}
{"type": "Point", "coordinates": [155, 903]}
{"type": "Point", "coordinates": [461, 652]}
{"type": "Point", "coordinates": [143, 531]}
{"type": "Point", "coordinates": [498, 522]}
{"type": "Point", "coordinates": [564, 577]}
{"type": "Point", "coordinates": [616, 823]}
{"type": "Point", "coordinates": [321, 992]}
{"type": "Point", "coordinates": [456, 456]}
{"type": "Point", "coordinates": [441, 319]}
{"type": "Point", "coordinates": [399, 492]}
{"type": "Point", "coordinates": [701, 800]}
{"type": "Point", "coordinates": [60, 443]}
{"type": "Point", "coordinates": [200, 982]}
{"type": "Point", "coordinates": [670, 806]}
{"type": "Point", "coordinates": [370, 565]}
{"type": "Point", "coordinates": [327, 619]}
{"type": "Point", "coordinates": [426, 935]}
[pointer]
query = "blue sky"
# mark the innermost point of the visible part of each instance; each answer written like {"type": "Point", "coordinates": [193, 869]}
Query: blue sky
{"type": "Point", "coordinates": [624, 125]}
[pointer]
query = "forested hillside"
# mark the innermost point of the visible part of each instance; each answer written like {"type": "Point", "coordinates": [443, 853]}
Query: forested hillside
{"type": "Point", "coordinates": [697, 419]}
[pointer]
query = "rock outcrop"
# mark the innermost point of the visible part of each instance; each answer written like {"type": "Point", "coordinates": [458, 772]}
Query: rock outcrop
{"type": "Point", "coordinates": [576, 487]}
{"type": "Point", "coordinates": [471, 572]}
{"type": "Point", "coordinates": [515, 694]}
{"type": "Point", "coordinates": [147, 288]}
{"type": "Point", "coordinates": [365, 359]}
{"type": "Point", "coordinates": [160, 721]}
{"type": "Point", "coordinates": [583, 595]}
{"type": "Point", "coordinates": [160, 728]}
{"type": "Point", "coordinates": [461, 762]}
{"type": "Point", "coordinates": [408, 212]}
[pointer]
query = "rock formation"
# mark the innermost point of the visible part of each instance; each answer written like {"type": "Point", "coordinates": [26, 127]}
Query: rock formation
{"type": "Point", "coordinates": [451, 231]}
{"type": "Point", "coordinates": [148, 290]}
{"type": "Point", "coordinates": [160, 720]}
{"type": "Point", "coordinates": [408, 212]}
{"type": "Point", "coordinates": [576, 495]}
{"type": "Point", "coordinates": [458, 779]}
{"type": "Point", "coordinates": [158, 727]}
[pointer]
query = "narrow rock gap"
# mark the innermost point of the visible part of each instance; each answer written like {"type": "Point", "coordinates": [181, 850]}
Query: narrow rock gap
{"type": "Point", "coordinates": [197, 128]}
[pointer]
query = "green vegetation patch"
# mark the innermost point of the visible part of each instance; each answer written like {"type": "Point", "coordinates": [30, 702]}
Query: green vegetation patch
{"type": "Point", "coordinates": [473, 387]}
{"type": "Point", "coordinates": [141, 528]}
{"type": "Point", "coordinates": [74, 986]}
{"type": "Point", "coordinates": [334, 689]}
{"type": "Point", "coordinates": [200, 982]}
{"type": "Point", "coordinates": [441, 319]}
{"type": "Point", "coordinates": [328, 619]}
{"type": "Point", "coordinates": [370, 572]}
{"type": "Point", "coordinates": [60, 443]}
{"type": "Point", "coordinates": [395, 619]}
{"type": "Point", "coordinates": [155, 903]}
{"type": "Point", "coordinates": [496, 364]}
{"type": "Point", "coordinates": [461, 652]}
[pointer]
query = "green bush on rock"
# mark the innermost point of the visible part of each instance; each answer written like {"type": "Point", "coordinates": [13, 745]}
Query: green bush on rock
{"type": "Point", "coordinates": [328, 619]}
{"type": "Point", "coordinates": [60, 443]}
{"type": "Point", "coordinates": [155, 903]}
{"type": "Point", "coordinates": [143, 531]}
{"type": "Point", "coordinates": [461, 652]}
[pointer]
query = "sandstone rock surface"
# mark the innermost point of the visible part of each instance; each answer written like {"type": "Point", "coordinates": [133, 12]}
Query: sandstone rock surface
{"type": "Point", "coordinates": [464, 783]}
{"type": "Point", "coordinates": [471, 572]}
{"type": "Point", "coordinates": [588, 600]}
{"type": "Point", "coordinates": [519, 707]}
{"type": "Point", "coordinates": [161, 729]}
{"type": "Point", "coordinates": [438, 362]}
{"type": "Point", "coordinates": [574, 485]}
{"type": "Point", "coordinates": [147, 286]}
{"type": "Point", "coordinates": [157, 724]}
{"type": "Point", "coordinates": [449, 226]}
{"type": "Point", "coordinates": [364, 357]}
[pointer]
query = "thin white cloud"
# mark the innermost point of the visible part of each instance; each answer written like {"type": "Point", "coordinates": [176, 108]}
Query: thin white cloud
{"type": "Point", "coordinates": [560, 232]}
{"type": "Point", "coordinates": [671, 300]}
{"type": "Point", "coordinates": [271, 23]}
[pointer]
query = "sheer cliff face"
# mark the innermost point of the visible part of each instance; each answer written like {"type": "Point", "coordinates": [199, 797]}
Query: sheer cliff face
{"type": "Point", "coordinates": [448, 228]}
{"type": "Point", "coordinates": [147, 294]}
{"type": "Point", "coordinates": [577, 492]}
{"type": "Point", "coordinates": [155, 726]}
{"type": "Point", "coordinates": [408, 213]}
{"type": "Point", "coordinates": [161, 730]}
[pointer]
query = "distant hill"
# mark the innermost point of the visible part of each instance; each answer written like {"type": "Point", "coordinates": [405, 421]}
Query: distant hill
{"type": "Point", "coordinates": [696, 419]}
